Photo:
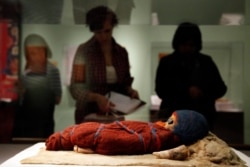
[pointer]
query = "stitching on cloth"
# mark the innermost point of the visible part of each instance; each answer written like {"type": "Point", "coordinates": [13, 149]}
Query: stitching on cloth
{"type": "Point", "coordinates": [97, 134]}
{"type": "Point", "coordinates": [141, 139]}
{"type": "Point", "coordinates": [155, 136]}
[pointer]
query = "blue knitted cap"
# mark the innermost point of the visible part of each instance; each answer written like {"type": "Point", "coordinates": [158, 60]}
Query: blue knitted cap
{"type": "Point", "coordinates": [190, 126]}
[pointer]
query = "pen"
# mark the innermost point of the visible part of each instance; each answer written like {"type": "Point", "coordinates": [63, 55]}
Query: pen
{"type": "Point", "coordinates": [107, 113]}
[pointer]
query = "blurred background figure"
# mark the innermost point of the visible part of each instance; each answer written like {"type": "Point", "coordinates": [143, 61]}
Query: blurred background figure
{"type": "Point", "coordinates": [41, 91]}
{"type": "Point", "coordinates": [100, 65]}
{"type": "Point", "coordinates": [187, 78]}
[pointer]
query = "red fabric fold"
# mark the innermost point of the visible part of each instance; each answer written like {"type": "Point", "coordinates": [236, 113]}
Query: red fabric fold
{"type": "Point", "coordinates": [117, 138]}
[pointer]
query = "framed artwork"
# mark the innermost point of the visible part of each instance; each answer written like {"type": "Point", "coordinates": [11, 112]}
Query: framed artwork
{"type": "Point", "coordinates": [9, 51]}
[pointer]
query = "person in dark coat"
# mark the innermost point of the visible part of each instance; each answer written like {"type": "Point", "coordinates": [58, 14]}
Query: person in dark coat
{"type": "Point", "coordinates": [187, 78]}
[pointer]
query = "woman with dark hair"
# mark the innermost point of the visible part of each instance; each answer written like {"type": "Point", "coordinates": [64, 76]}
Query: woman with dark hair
{"type": "Point", "coordinates": [100, 65]}
{"type": "Point", "coordinates": [187, 78]}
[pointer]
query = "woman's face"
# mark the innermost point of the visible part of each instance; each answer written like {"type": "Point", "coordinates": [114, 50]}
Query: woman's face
{"type": "Point", "coordinates": [187, 48]}
{"type": "Point", "coordinates": [36, 54]}
{"type": "Point", "coordinates": [36, 58]}
{"type": "Point", "coordinates": [104, 35]}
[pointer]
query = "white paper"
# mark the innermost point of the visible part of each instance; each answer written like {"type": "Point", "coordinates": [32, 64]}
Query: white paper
{"type": "Point", "coordinates": [124, 104]}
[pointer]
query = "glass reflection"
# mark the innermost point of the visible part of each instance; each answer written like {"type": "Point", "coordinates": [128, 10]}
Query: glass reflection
{"type": "Point", "coordinates": [203, 12]}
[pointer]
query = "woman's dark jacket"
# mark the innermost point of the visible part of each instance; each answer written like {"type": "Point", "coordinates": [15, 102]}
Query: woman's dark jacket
{"type": "Point", "coordinates": [176, 73]}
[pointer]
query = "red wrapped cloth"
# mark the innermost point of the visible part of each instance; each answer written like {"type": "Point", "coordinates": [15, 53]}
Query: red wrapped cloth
{"type": "Point", "coordinates": [117, 138]}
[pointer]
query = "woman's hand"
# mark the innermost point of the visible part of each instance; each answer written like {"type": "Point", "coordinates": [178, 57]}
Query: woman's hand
{"type": "Point", "coordinates": [103, 102]}
{"type": "Point", "coordinates": [195, 92]}
{"type": "Point", "coordinates": [133, 93]}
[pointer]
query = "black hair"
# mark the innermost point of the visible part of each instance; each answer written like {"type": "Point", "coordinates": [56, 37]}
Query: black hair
{"type": "Point", "coordinates": [96, 17]}
{"type": "Point", "coordinates": [187, 31]}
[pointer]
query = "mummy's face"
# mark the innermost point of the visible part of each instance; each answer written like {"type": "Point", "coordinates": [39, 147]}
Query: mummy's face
{"type": "Point", "coordinates": [171, 122]}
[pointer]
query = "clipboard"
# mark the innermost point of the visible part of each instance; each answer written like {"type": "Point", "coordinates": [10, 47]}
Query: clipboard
{"type": "Point", "coordinates": [124, 104]}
